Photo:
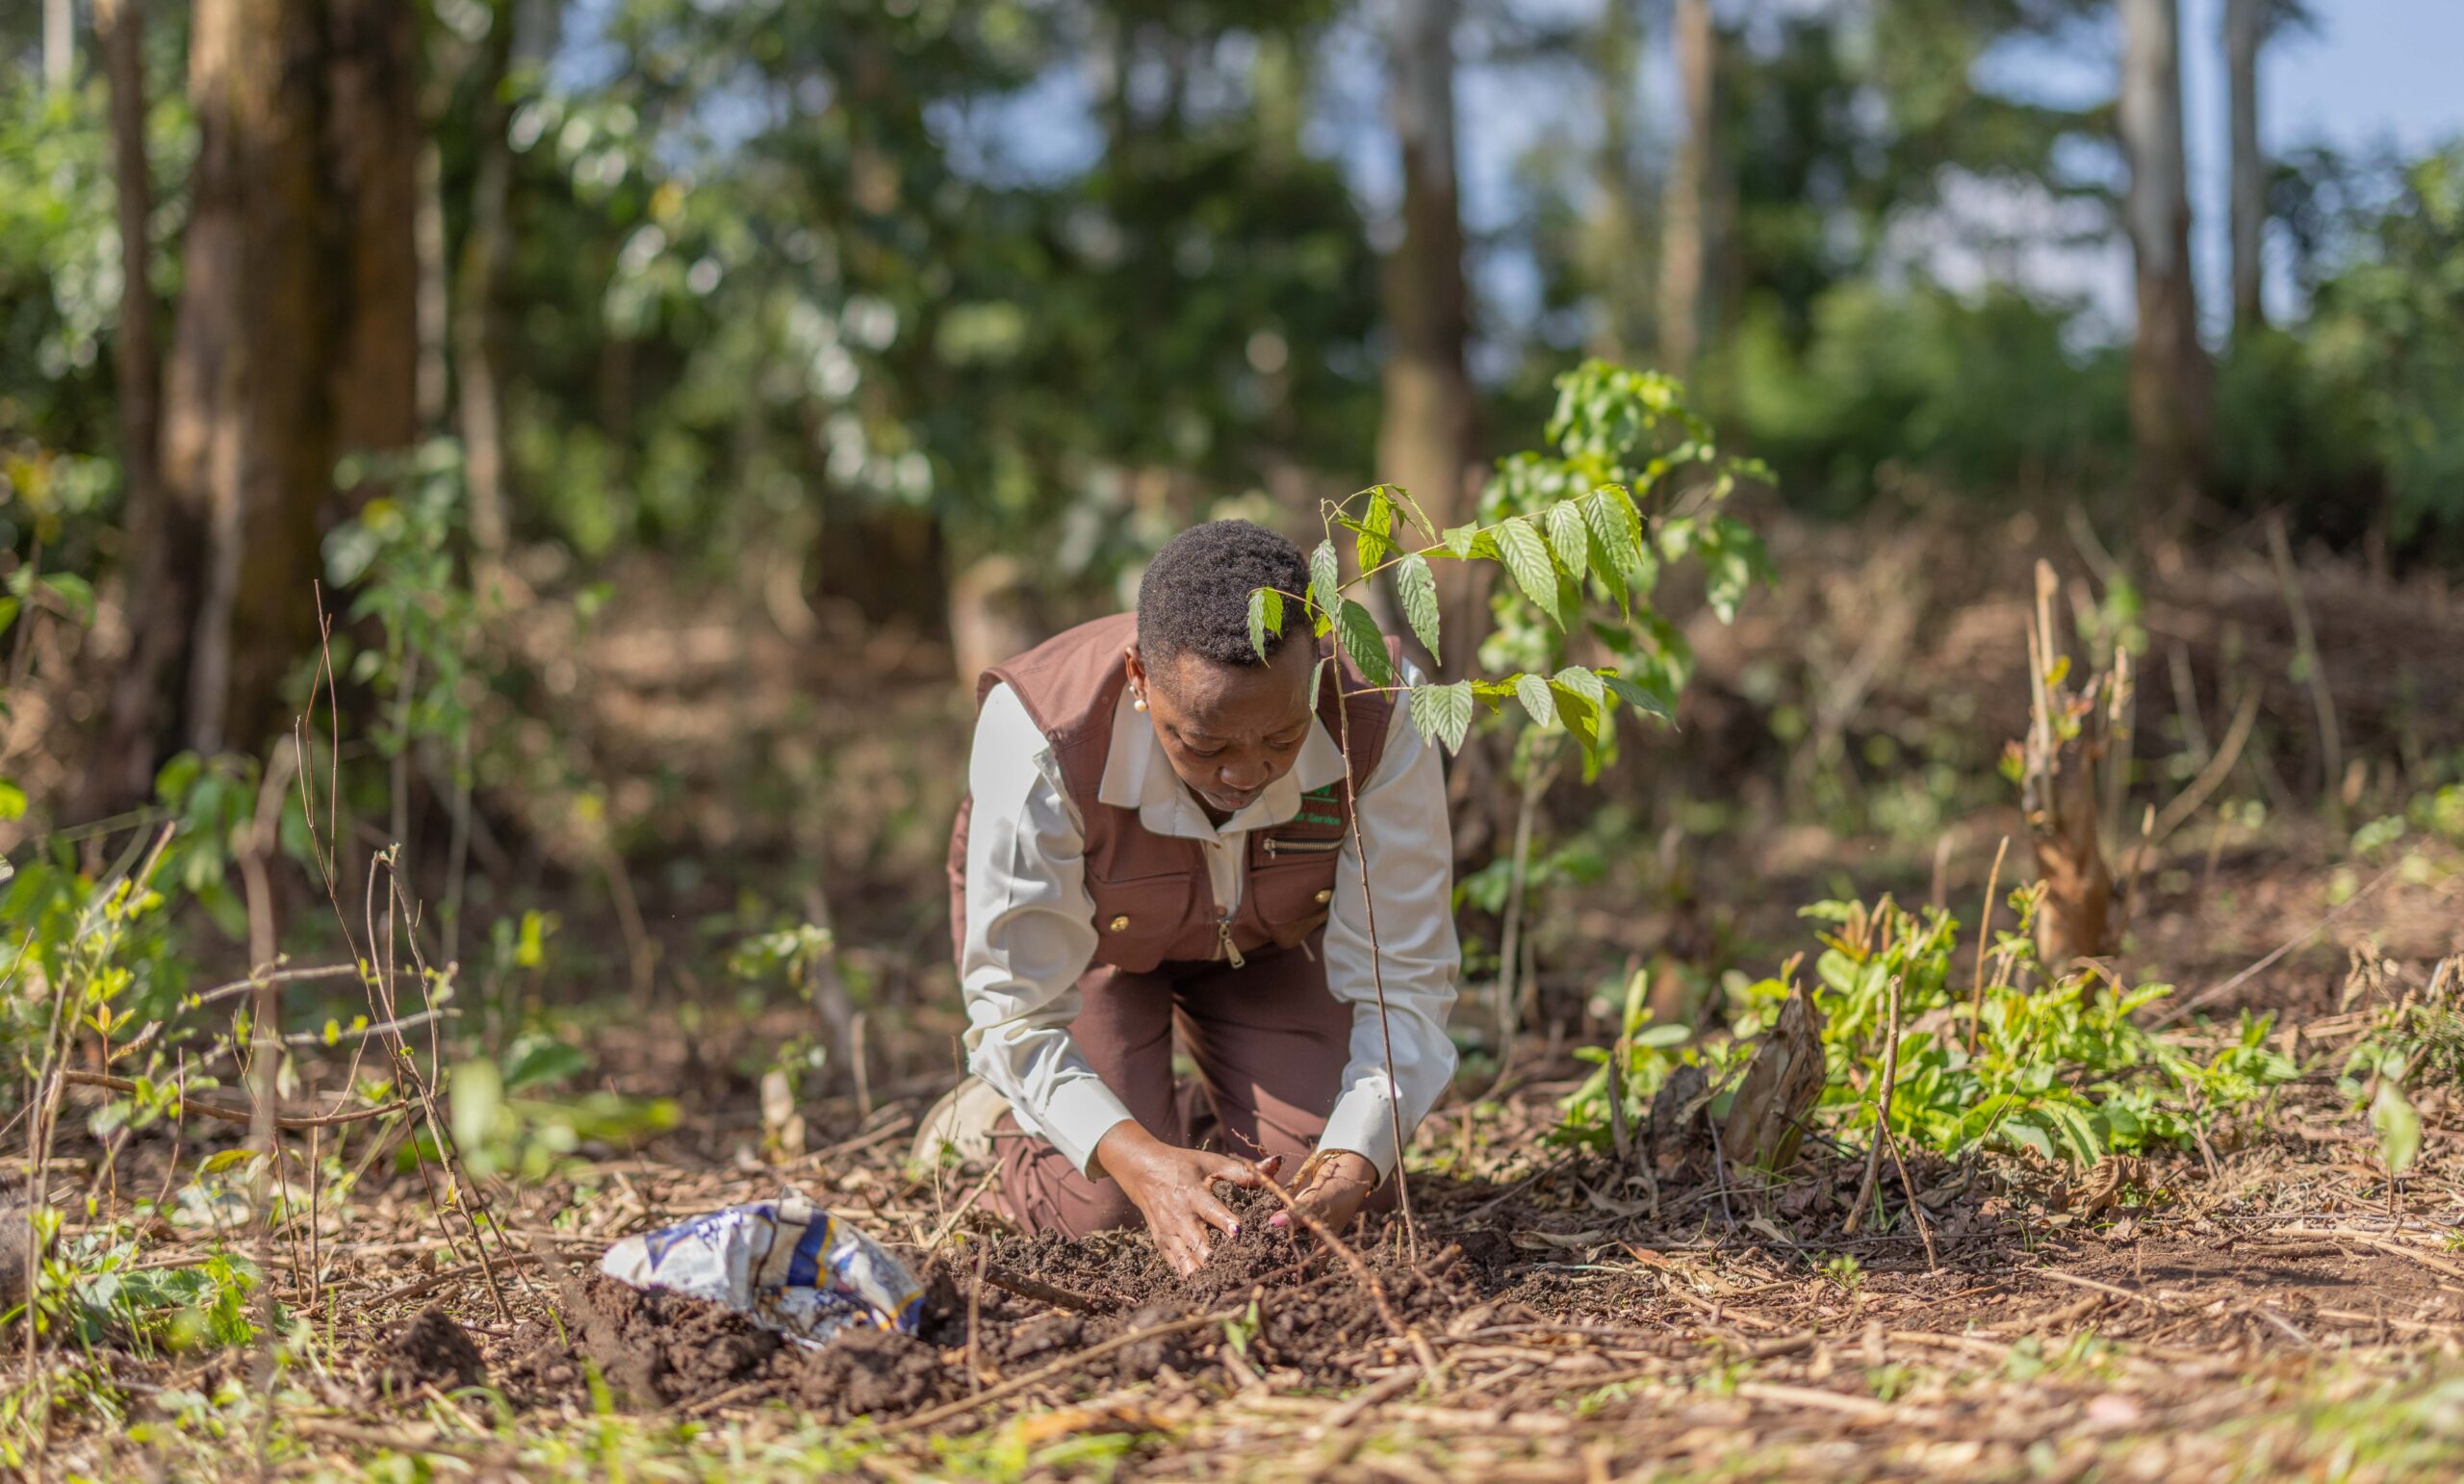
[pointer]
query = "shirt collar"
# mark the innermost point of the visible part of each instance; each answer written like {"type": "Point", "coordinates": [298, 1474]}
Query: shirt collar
{"type": "Point", "coordinates": [1138, 775]}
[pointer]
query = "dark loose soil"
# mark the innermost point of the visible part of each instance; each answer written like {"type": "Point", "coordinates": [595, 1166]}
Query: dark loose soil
{"type": "Point", "coordinates": [1296, 1308]}
{"type": "Point", "coordinates": [430, 1350]}
{"type": "Point", "coordinates": [665, 1349]}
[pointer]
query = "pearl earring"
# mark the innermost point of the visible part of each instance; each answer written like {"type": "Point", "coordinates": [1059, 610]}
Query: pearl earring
{"type": "Point", "coordinates": [1138, 701]}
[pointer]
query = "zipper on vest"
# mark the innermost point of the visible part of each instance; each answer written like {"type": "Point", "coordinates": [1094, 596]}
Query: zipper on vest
{"type": "Point", "coordinates": [1282, 847]}
{"type": "Point", "coordinates": [1223, 941]}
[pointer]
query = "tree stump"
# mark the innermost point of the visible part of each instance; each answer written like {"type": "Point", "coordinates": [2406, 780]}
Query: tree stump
{"type": "Point", "coordinates": [2072, 729]}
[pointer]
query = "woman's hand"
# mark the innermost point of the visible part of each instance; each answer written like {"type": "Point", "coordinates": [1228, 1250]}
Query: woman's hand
{"type": "Point", "coordinates": [1332, 1187]}
{"type": "Point", "coordinates": [1171, 1187]}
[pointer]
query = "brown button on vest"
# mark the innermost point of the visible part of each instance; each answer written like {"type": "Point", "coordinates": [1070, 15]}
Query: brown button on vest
{"type": "Point", "coordinates": [1153, 901]}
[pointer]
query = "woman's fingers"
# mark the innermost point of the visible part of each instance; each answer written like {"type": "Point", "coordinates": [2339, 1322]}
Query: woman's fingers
{"type": "Point", "coordinates": [1215, 1214]}
{"type": "Point", "coordinates": [1240, 1172]}
{"type": "Point", "coordinates": [1182, 1247]}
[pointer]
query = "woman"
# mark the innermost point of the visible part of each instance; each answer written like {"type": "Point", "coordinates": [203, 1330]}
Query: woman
{"type": "Point", "coordinates": [1157, 835]}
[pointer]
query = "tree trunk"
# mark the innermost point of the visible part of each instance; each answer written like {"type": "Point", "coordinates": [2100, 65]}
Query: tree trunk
{"type": "Point", "coordinates": [1426, 440]}
{"type": "Point", "coordinates": [2172, 397]}
{"type": "Point", "coordinates": [1686, 225]}
{"type": "Point", "coordinates": [297, 329]}
{"type": "Point", "coordinates": [124, 760]}
{"type": "Point", "coordinates": [2244, 29]}
{"type": "Point", "coordinates": [374, 134]}
{"type": "Point", "coordinates": [478, 317]}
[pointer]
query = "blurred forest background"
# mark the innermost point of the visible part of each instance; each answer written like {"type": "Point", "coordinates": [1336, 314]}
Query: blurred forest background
{"type": "Point", "coordinates": [666, 402]}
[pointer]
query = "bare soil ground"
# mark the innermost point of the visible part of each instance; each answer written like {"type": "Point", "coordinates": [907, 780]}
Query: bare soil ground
{"type": "Point", "coordinates": [2245, 1311]}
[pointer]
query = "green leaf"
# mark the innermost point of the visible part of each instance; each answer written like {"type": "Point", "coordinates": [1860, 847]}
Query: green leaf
{"type": "Point", "coordinates": [2079, 1137]}
{"type": "Point", "coordinates": [2027, 1135]}
{"type": "Point", "coordinates": [1443, 712]}
{"type": "Point", "coordinates": [2399, 1126]}
{"type": "Point", "coordinates": [12, 801]}
{"type": "Point", "coordinates": [1359, 635]}
{"type": "Point", "coordinates": [1471, 543]}
{"type": "Point", "coordinates": [1527, 560]}
{"type": "Point", "coordinates": [1325, 584]}
{"type": "Point", "coordinates": [477, 1094]}
{"type": "Point", "coordinates": [1582, 682]}
{"type": "Point", "coordinates": [1979, 1121]}
{"type": "Point", "coordinates": [1604, 566]}
{"type": "Point", "coordinates": [1266, 618]}
{"type": "Point", "coordinates": [1580, 715]}
{"type": "Point", "coordinates": [225, 1159]}
{"type": "Point", "coordinates": [1633, 695]}
{"type": "Point", "coordinates": [1416, 586]}
{"type": "Point", "coordinates": [1376, 531]}
{"type": "Point", "coordinates": [1568, 536]}
{"type": "Point", "coordinates": [1534, 694]}
{"type": "Point", "coordinates": [9, 612]}
{"type": "Point", "coordinates": [535, 1060]}
{"type": "Point", "coordinates": [1618, 526]}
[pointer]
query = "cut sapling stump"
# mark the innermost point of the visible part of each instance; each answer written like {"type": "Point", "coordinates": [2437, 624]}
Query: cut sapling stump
{"type": "Point", "coordinates": [2071, 729]}
{"type": "Point", "coordinates": [1766, 1121]}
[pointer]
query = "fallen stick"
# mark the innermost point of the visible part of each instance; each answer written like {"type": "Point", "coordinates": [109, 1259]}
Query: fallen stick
{"type": "Point", "coordinates": [2073, 1278]}
{"type": "Point", "coordinates": [1043, 1293]}
{"type": "Point", "coordinates": [2037, 1323]}
{"type": "Point", "coordinates": [2392, 1249]}
{"type": "Point", "coordinates": [1862, 1408]}
{"type": "Point", "coordinates": [1365, 1397]}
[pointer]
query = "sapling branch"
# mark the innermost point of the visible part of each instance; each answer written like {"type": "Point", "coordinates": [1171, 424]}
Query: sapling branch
{"type": "Point", "coordinates": [1377, 961]}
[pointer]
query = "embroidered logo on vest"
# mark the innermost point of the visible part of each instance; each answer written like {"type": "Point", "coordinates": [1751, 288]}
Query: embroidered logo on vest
{"type": "Point", "coordinates": [1320, 806]}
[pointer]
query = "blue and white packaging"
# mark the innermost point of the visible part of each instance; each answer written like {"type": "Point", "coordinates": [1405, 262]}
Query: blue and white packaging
{"type": "Point", "coordinates": [785, 1264]}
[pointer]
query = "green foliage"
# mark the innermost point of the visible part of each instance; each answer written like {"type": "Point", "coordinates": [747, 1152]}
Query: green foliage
{"type": "Point", "coordinates": [2418, 1041]}
{"type": "Point", "coordinates": [506, 1122]}
{"type": "Point", "coordinates": [1884, 383]}
{"type": "Point", "coordinates": [95, 1289]}
{"type": "Point", "coordinates": [1640, 1059]}
{"type": "Point", "coordinates": [1570, 523]}
{"type": "Point", "coordinates": [59, 299]}
{"type": "Point", "coordinates": [2062, 1070]}
{"type": "Point", "coordinates": [866, 293]}
{"type": "Point", "coordinates": [2386, 340]}
{"type": "Point", "coordinates": [399, 559]}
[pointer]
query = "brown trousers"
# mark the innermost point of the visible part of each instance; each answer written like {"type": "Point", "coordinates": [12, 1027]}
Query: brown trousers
{"type": "Point", "coordinates": [1269, 1043]}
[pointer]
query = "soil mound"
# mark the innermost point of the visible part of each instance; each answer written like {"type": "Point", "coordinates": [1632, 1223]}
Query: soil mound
{"type": "Point", "coordinates": [874, 1372]}
{"type": "Point", "coordinates": [431, 1350]}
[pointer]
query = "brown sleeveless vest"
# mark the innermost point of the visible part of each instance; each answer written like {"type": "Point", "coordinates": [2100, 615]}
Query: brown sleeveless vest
{"type": "Point", "coordinates": [1153, 901]}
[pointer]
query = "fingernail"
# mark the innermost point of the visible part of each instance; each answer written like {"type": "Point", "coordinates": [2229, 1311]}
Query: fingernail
{"type": "Point", "coordinates": [1236, 1228]}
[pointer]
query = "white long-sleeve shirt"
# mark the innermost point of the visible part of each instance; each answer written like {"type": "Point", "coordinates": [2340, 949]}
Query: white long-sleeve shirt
{"type": "Point", "coordinates": [1031, 922]}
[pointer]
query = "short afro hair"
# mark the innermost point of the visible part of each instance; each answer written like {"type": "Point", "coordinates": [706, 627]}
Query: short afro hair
{"type": "Point", "coordinates": [1194, 598]}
